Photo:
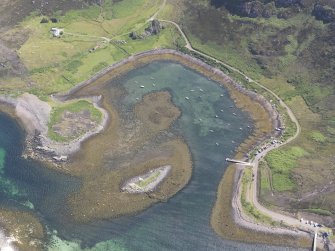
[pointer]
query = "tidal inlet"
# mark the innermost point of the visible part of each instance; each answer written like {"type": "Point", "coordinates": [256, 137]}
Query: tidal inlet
{"type": "Point", "coordinates": [146, 180]}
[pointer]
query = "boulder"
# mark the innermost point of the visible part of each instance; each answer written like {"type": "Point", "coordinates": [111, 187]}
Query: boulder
{"type": "Point", "coordinates": [54, 20]}
{"type": "Point", "coordinates": [133, 35]}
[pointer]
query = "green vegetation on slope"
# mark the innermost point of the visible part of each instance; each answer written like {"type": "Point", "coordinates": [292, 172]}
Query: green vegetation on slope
{"type": "Point", "coordinates": [318, 137]}
{"type": "Point", "coordinates": [281, 161]}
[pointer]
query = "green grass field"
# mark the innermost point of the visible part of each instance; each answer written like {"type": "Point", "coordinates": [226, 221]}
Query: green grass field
{"type": "Point", "coordinates": [281, 161]}
{"type": "Point", "coordinates": [265, 182]}
{"type": "Point", "coordinates": [57, 64]}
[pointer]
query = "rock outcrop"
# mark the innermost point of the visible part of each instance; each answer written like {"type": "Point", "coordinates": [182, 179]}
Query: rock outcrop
{"type": "Point", "coordinates": [257, 8]}
{"type": "Point", "coordinates": [324, 13]}
{"type": "Point", "coordinates": [154, 27]}
{"type": "Point", "coordinates": [251, 9]}
{"type": "Point", "coordinates": [287, 3]}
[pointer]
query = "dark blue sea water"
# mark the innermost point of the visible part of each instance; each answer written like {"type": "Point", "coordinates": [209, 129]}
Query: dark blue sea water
{"type": "Point", "coordinates": [212, 126]}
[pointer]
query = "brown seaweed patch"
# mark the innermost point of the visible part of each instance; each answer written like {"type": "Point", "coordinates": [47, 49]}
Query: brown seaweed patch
{"type": "Point", "coordinates": [101, 196]}
{"type": "Point", "coordinates": [156, 111]}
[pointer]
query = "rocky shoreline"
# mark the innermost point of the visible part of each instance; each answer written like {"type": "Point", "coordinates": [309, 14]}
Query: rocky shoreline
{"type": "Point", "coordinates": [34, 115]}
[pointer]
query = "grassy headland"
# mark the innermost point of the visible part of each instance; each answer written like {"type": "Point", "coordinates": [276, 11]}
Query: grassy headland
{"type": "Point", "coordinates": [72, 114]}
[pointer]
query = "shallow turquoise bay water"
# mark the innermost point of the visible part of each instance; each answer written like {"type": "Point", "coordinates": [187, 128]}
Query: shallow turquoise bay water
{"type": "Point", "coordinates": [211, 125]}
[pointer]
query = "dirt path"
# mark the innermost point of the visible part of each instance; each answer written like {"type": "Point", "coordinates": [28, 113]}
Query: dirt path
{"type": "Point", "coordinates": [154, 16]}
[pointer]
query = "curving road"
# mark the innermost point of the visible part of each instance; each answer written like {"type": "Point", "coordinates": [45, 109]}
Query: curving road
{"type": "Point", "coordinates": [252, 193]}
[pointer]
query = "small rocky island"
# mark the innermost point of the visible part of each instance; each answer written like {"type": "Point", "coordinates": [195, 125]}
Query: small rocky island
{"type": "Point", "coordinates": [146, 182]}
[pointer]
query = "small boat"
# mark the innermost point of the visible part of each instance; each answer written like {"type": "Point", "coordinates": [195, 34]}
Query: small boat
{"type": "Point", "coordinates": [187, 98]}
{"type": "Point", "coordinates": [142, 86]}
{"type": "Point", "coordinates": [216, 116]}
{"type": "Point", "coordinates": [221, 95]}
{"type": "Point", "coordinates": [234, 114]}
{"type": "Point", "coordinates": [201, 90]}
{"type": "Point", "coordinates": [221, 110]}
{"type": "Point", "coordinates": [192, 90]}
